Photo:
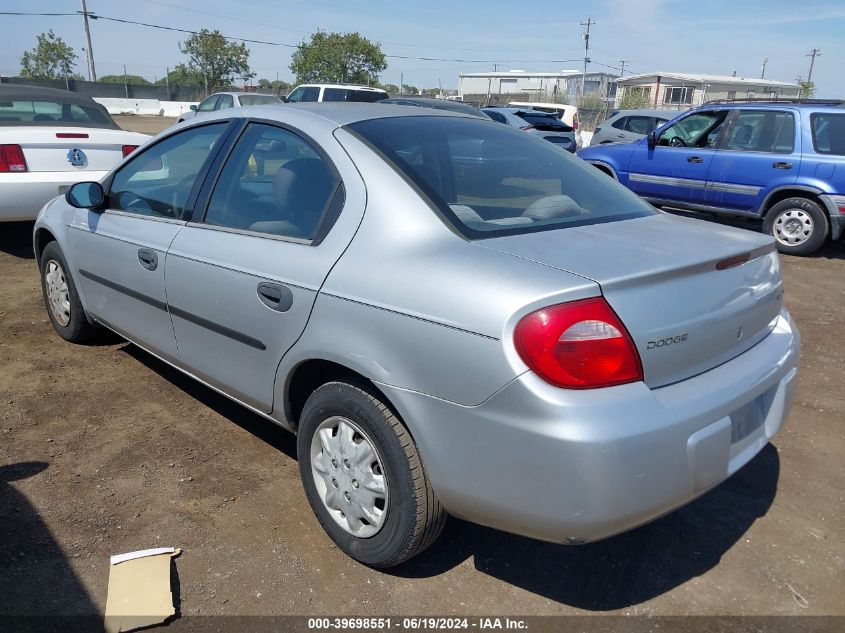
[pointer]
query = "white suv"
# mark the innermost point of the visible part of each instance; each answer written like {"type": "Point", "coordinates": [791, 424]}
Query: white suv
{"type": "Point", "coordinates": [335, 92]}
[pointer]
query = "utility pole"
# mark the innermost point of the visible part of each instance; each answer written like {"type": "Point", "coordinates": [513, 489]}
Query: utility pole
{"type": "Point", "coordinates": [763, 73]}
{"type": "Point", "coordinates": [588, 24]}
{"type": "Point", "coordinates": [812, 55]}
{"type": "Point", "coordinates": [622, 64]}
{"type": "Point", "coordinates": [167, 82]}
{"type": "Point", "coordinates": [92, 72]}
{"type": "Point", "coordinates": [401, 84]}
{"type": "Point", "coordinates": [125, 85]}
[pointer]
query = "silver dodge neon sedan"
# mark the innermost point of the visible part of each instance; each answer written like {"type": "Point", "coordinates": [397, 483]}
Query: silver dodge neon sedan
{"type": "Point", "coordinates": [454, 317]}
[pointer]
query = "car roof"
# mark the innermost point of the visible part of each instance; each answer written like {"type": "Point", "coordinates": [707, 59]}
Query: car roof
{"type": "Point", "coordinates": [803, 104]}
{"type": "Point", "coordinates": [518, 111]}
{"type": "Point", "coordinates": [337, 113]}
{"type": "Point", "coordinates": [663, 114]}
{"type": "Point", "coordinates": [341, 86]}
{"type": "Point", "coordinates": [529, 104]}
{"type": "Point", "coordinates": [436, 104]}
{"type": "Point", "coordinates": [13, 92]}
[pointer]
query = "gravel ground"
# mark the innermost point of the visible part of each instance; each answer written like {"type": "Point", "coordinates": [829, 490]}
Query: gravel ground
{"type": "Point", "coordinates": [105, 450]}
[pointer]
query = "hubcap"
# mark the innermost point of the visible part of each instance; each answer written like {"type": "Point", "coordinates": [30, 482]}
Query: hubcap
{"type": "Point", "coordinates": [349, 476]}
{"type": "Point", "coordinates": [57, 292]}
{"type": "Point", "coordinates": [793, 227]}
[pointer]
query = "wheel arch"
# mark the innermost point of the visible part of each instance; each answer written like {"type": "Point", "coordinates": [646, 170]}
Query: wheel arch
{"type": "Point", "coordinates": [40, 239]}
{"type": "Point", "coordinates": [308, 375]}
{"type": "Point", "coordinates": [604, 167]}
{"type": "Point", "coordinates": [791, 191]}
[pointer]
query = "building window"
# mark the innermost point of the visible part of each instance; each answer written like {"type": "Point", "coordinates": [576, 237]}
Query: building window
{"type": "Point", "coordinates": [678, 95]}
{"type": "Point", "coordinates": [639, 91]}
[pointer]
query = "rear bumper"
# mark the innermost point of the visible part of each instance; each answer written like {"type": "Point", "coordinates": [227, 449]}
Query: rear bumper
{"type": "Point", "coordinates": [22, 195]}
{"type": "Point", "coordinates": [575, 466]}
{"type": "Point", "coordinates": [837, 220]}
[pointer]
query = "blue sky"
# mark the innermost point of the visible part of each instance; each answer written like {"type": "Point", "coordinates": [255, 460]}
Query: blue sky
{"type": "Point", "coordinates": [706, 36]}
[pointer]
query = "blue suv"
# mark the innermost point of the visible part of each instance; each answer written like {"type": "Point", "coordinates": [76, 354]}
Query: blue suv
{"type": "Point", "coordinates": [782, 161]}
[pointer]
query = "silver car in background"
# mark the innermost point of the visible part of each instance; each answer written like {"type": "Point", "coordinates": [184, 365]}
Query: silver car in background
{"type": "Point", "coordinates": [454, 317]}
{"type": "Point", "coordinates": [226, 100]}
{"type": "Point", "coordinates": [625, 126]}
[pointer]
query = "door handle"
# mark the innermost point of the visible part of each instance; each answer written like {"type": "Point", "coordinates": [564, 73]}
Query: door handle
{"type": "Point", "coordinates": [148, 258]}
{"type": "Point", "coordinates": [782, 165]}
{"type": "Point", "coordinates": [695, 159]}
{"type": "Point", "coordinates": [275, 296]}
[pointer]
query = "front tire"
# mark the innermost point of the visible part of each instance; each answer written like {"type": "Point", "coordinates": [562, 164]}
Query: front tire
{"type": "Point", "coordinates": [798, 225]}
{"type": "Point", "coordinates": [364, 478]}
{"type": "Point", "coordinates": [62, 299]}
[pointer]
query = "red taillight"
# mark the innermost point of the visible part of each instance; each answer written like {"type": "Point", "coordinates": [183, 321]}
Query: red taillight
{"type": "Point", "coordinates": [578, 345]}
{"type": "Point", "coordinates": [71, 135]}
{"type": "Point", "coordinates": [575, 121]}
{"type": "Point", "coordinates": [128, 149]}
{"type": "Point", "coordinates": [11, 159]}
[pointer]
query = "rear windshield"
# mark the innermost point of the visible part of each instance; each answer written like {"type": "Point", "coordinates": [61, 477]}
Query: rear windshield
{"type": "Point", "coordinates": [828, 133]}
{"type": "Point", "coordinates": [348, 94]}
{"type": "Point", "coordinates": [53, 113]}
{"type": "Point", "coordinates": [248, 100]}
{"type": "Point", "coordinates": [489, 180]}
{"type": "Point", "coordinates": [544, 121]}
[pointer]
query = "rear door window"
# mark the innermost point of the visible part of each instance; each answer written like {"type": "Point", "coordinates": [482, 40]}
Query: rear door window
{"type": "Point", "coordinates": [274, 182]}
{"type": "Point", "coordinates": [637, 124]}
{"type": "Point", "coordinates": [763, 131]}
{"type": "Point", "coordinates": [828, 133]}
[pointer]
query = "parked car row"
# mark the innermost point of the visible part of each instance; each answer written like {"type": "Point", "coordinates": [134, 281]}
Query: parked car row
{"type": "Point", "coordinates": [454, 316]}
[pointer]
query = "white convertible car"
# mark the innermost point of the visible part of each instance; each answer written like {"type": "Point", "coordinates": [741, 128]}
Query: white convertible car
{"type": "Point", "coordinates": [50, 139]}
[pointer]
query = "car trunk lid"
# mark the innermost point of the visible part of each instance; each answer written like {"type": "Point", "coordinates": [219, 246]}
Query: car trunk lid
{"type": "Point", "coordinates": [70, 148]}
{"type": "Point", "coordinates": [692, 295]}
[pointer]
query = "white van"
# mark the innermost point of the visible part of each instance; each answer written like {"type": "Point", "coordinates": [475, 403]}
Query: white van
{"type": "Point", "coordinates": [566, 113]}
{"type": "Point", "coordinates": [335, 92]}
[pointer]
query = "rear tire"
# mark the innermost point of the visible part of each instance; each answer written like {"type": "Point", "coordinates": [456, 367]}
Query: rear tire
{"type": "Point", "coordinates": [409, 519]}
{"type": "Point", "coordinates": [799, 226]}
{"type": "Point", "coordinates": [62, 299]}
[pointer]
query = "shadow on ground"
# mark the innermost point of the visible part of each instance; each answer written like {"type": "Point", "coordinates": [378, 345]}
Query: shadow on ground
{"type": "Point", "coordinates": [612, 574]}
{"type": "Point", "coordinates": [624, 570]}
{"type": "Point", "coordinates": [39, 591]}
{"type": "Point", "coordinates": [16, 239]}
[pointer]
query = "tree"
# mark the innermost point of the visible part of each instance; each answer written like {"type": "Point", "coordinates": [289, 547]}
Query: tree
{"type": "Point", "coordinates": [264, 83]}
{"type": "Point", "coordinates": [52, 58]}
{"type": "Point", "coordinates": [390, 88]}
{"type": "Point", "coordinates": [431, 91]}
{"type": "Point", "coordinates": [807, 89]}
{"type": "Point", "coordinates": [130, 79]}
{"type": "Point", "coordinates": [182, 76]}
{"type": "Point", "coordinates": [215, 59]}
{"type": "Point", "coordinates": [633, 100]}
{"type": "Point", "coordinates": [337, 57]}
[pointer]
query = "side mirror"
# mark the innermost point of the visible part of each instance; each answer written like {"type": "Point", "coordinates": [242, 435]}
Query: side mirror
{"type": "Point", "coordinates": [283, 98]}
{"type": "Point", "coordinates": [85, 195]}
{"type": "Point", "coordinates": [652, 139]}
{"type": "Point", "coordinates": [193, 107]}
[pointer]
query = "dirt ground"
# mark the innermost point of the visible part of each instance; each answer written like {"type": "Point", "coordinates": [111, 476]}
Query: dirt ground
{"type": "Point", "coordinates": [106, 450]}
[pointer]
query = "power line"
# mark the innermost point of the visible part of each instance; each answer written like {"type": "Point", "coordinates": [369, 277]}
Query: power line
{"type": "Point", "coordinates": [286, 45]}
